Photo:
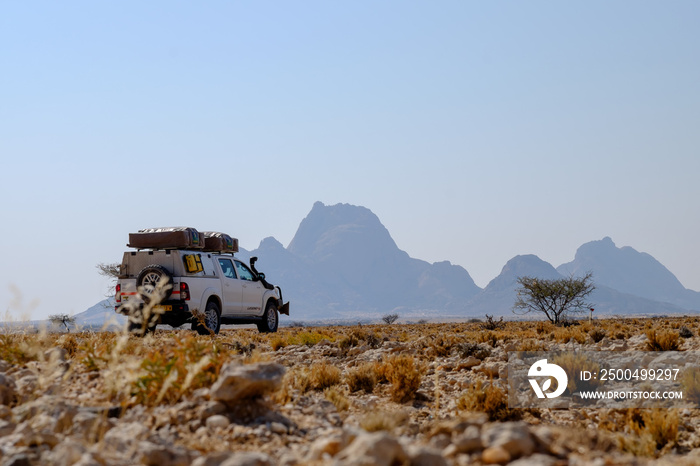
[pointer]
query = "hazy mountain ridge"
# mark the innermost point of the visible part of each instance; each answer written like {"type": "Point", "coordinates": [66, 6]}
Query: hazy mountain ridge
{"type": "Point", "coordinates": [500, 294]}
{"type": "Point", "coordinates": [343, 264]}
{"type": "Point", "coordinates": [631, 272]}
{"type": "Point", "coordinates": [342, 260]}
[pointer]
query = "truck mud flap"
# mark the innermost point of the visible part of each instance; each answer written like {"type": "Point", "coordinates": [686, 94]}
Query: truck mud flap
{"type": "Point", "coordinates": [284, 309]}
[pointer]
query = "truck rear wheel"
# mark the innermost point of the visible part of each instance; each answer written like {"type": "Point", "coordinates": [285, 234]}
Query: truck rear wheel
{"type": "Point", "coordinates": [154, 278]}
{"type": "Point", "coordinates": [270, 319]}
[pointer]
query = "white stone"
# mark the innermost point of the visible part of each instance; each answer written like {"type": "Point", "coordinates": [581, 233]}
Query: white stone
{"type": "Point", "coordinates": [375, 449]}
{"type": "Point", "coordinates": [239, 382]}
{"type": "Point", "coordinates": [217, 421]}
{"type": "Point", "coordinates": [514, 437]}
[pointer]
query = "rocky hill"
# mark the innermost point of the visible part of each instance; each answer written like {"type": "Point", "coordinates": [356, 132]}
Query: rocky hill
{"type": "Point", "coordinates": [631, 272]}
{"type": "Point", "coordinates": [499, 295]}
{"type": "Point", "coordinates": [342, 261]}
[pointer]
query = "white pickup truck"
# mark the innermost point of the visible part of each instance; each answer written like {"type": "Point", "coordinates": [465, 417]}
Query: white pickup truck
{"type": "Point", "coordinates": [173, 286]}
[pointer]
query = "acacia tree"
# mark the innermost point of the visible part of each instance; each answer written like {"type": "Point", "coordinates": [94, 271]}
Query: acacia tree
{"type": "Point", "coordinates": [62, 319]}
{"type": "Point", "coordinates": [112, 272]}
{"type": "Point", "coordinates": [555, 298]}
{"type": "Point", "coordinates": [390, 318]}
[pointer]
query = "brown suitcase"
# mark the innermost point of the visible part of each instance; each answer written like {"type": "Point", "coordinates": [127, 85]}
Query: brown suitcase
{"type": "Point", "coordinates": [166, 238]}
{"type": "Point", "coordinates": [215, 241]}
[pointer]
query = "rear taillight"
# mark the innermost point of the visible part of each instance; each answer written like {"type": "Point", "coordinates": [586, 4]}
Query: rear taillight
{"type": "Point", "coordinates": [184, 292]}
{"type": "Point", "coordinates": [118, 295]}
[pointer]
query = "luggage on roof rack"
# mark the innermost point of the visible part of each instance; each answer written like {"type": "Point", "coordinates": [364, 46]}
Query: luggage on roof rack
{"type": "Point", "coordinates": [215, 241]}
{"type": "Point", "coordinates": [166, 238]}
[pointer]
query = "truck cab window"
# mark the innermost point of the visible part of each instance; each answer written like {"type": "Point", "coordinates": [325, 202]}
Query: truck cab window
{"type": "Point", "coordinates": [227, 268]}
{"type": "Point", "coordinates": [244, 272]}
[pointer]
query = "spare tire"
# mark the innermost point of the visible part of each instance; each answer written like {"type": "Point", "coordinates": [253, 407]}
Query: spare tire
{"type": "Point", "coordinates": [154, 277]}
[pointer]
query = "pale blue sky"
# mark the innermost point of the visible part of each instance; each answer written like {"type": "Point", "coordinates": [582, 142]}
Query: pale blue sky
{"type": "Point", "coordinates": [476, 131]}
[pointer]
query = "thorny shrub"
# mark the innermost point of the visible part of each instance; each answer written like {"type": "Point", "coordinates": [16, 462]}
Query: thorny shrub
{"type": "Point", "coordinates": [597, 334]}
{"type": "Point", "coordinates": [468, 348]}
{"type": "Point", "coordinates": [492, 324]}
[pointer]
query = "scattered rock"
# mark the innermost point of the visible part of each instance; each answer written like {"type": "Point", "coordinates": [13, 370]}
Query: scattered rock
{"type": "Point", "coordinates": [495, 455]}
{"type": "Point", "coordinates": [375, 449]}
{"type": "Point", "coordinates": [212, 459]}
{"type": "Point", "coordinates": [7, 389]}
{"type": "Point", "coordinates": [6, 427]}
{"type": "Point", "coordinates": [67, 452]}
{"type": "Point", "coordinates": [217, 422]}
{"type": "Point", "coordinates": [424, 456]}
{"type": "Point", "coordinates": [278, 428]}
{"type": "Point", "coordinates": [513, 437]}
{"type": "Point", "coordinates": [125, 436]}
{"type": "Point", "coordinates": [239, 382]}
{"type": "Point", "coordinates": [211, 408]}
{"type": "Point", "coordinates": [18, 460]}
{"type": "Point", "coordinates": [247, 459]}
{"type": "Point", "coordinates": [90, 426]}
{"type": "Point", "coordinates": [469, 441]}
{"type": "Point", "coordinates": [468, 363]}
{"type": "Point", "coordinates": [27, 384]}
{"type": "Point", "coordinates": [157, 455]}
{"type": "Point", "coordinates": [325, 446]}
{"type": "Point", "coordinates": [538, 459]}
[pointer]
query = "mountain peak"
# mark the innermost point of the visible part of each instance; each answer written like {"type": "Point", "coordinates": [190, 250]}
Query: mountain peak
{"type": "Point", "coordinates": [326, 226]}
{"type": "Point", "coordinates": [627, 270]}
{"type": "Point", "coordinates": [524, 265]}
{"type": "Point", "coordinates": [270, 243]}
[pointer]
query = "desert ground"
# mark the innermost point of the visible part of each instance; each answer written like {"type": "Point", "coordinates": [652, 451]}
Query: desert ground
{"type": "Point", "coordinates": [390, 394]}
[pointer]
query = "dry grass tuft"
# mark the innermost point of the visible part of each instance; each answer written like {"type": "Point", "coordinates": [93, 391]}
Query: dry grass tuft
{"type": "Point", "coordinates": [488, 399]}
{"type": "Point", "coordinates": [665, 340]}
{"type": "Point", "coordinates": [532, 344]}
{"type": "Point", "coordinates": [573, 363]}
{"type": "Point", "coordinates": [362, 377]}
{"type": "Point", "coordinates": [168, 373]}
{"type": "Point", "coordinates": [655, 430]}
{"type": "Point", "coordinates": [324, 375]}
{"type": "Point", "coordinates": [375, 421]}
{"type": "Point", "coordinates": [440, 346]}
{"type": "Point", "coordinates": [337, 397]}
{"type": "Point", "coordinates": [690, 384]}
{"type": "Point", "coordinates": [488, 337]}
{"type": "Point", "coordinates": [467, 348]}
{"type": "Point", "coordinates": [15, 350]}
{"type": "Point", "coordinates": [404, 374]}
